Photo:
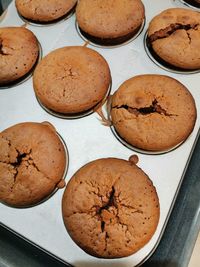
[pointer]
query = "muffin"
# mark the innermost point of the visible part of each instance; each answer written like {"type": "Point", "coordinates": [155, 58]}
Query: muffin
{"type": "Point", "coordinates": [174, 36]}
{"type": "Point", "coordinates": [71, 79]}
{"type": "Point", "coordinates": [46, 10]}
{"type": "Point", "coordinates": [110, 208]}
{"type": "Point", "coordinates": [32, 163]}
{"type": "Point", "coordinates": [19, 52]}
{"type": "Point", "coordinates": [109, 22]}
{"type": "Point", "coordinates": [153, 112]}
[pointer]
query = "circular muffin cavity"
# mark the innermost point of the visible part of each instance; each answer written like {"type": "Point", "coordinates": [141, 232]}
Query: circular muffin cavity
{"type": "Point", "coordinates": [33, 164]}
{"type": "Point", "coordinates": [110, 208]}
{"type": "Point", "coordinates": [71, 81]}
{"type": "Point", "coordinates": [19, 54]}
{"type": "Point", "coordinates": [110, 22]}
{"type": "Point", "coordinates": [174, 38]}
{"type": "Point", "coordinates": [46, 11]}
{"type": "Point", "coordinates": [191, 3]}
{"type": "Point", "coordinates": [153, 113]}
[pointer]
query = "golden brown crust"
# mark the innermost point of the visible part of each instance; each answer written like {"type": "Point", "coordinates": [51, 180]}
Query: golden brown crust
{"type": "Point", "coordinates": [32, 163]}
{"type": "Point", "coordinates": [72, 79]}
{"type": "Point", "coordinates": [18, 53]}
{"type": "Point", "coordinates": [45, 10]}
{"type": "Point", "coordinates": [153, 112]}
{"type": "Point", "coordinates": [175, 37]}
{"type": "Point", "coordinates": [109, 19]}
{"type": "Point", "coordinates": [110, 208]}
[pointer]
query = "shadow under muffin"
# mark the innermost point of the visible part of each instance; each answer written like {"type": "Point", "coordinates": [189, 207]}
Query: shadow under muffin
{"type": "Point", "coordinates": [102, 24]}
{"type": "Point", "coordinates": [192, 3]}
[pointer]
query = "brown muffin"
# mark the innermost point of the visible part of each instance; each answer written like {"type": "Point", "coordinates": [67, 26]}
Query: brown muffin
{"type": "Point", "coordinates": [110, 22]}
{"type": "Point", "coordinates": [45, 10]}
{"type": "Point", "coordinates": [110, 208]}
{"type": "Point", "coordinates": [153, 112]}
{"type": "Point", "coordinates": [174, 36]}
{"type": "Point", "coordinates": [18, 53]}
{"type": "Point", "coordinates": [32, 163]}
{"type": "Point", "coordinates": [71, 79]}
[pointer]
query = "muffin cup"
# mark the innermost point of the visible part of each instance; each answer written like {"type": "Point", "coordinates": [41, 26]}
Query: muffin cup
{"type": "Point", "coordinates": [56, 189]}
{"type": "Point", "coordinates": [160, 62]}
{"type": "Point", "coordinates": [109, 43]}
{"type": "Point", "coordinates": [26, 76]}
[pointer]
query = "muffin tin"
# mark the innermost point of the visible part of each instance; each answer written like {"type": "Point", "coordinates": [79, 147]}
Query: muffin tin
{"type": "Point", "coordinates": [88, 139]}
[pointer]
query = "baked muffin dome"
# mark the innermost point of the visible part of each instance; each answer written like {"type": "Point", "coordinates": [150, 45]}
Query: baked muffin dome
{"type": "Point", "coordinates": [45, 10]}
{"type": "Point", "coordinates": [174, 36]}
{"type": "Point", "coordinates": [110, 208]}
{"type": "Point", "coordinates": [19, 52]}
{"type": "Point", "coordinates": [32, 163]}
{"type": "Point", "coordinates": [110, 22]}
{"type": "Point", "coordinates": [153, 112]}
{"type": "Point", "coordinates": [72, 79]}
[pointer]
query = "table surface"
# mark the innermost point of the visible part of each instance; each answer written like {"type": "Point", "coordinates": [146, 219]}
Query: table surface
{"type": "Point", "coordinates": [174, 250]}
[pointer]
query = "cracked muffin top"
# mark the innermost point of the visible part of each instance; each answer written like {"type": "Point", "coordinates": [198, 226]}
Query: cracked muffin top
{"type": "Point", "coordinates": [18, 53]}
{"type": "Point", "coordinates": [110, 208]}
{"type": "Point", "coordinates": [72, 79]}
{"type": "Point", "coordinates": [110, 19]}
{"type": "Point", "coordinates": [153, 112]}
{"type": "Point", "coordinates": [174, 36]}
{"type": "Point", "coordinates": [45, 10]}
{"type": "Point", "coordinates": [32, 163]}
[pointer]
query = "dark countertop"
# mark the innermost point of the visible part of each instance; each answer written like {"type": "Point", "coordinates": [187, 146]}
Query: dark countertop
{"type": "Point", "coordinates": [174, 249]}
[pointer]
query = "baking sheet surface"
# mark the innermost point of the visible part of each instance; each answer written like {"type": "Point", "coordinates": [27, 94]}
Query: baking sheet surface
{"type": "Point", "coordinates": [87, 139]}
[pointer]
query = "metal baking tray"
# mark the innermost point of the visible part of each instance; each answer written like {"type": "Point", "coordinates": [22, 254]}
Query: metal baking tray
{"type": "Point", "coordinates": [88, 139]}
